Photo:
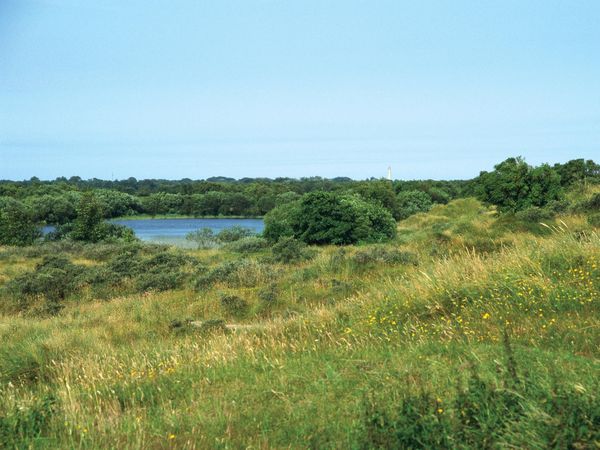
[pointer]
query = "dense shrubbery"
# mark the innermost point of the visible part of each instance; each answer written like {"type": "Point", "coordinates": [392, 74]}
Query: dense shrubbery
{"type": "Point", "coordinates": [90, 226]}
{"type": "Point", "coordinates": [234, 305]}
{"type": "Point", "coordinates": [162, 272]}
{"type": "Point", "coordinates": [251, 244]}
{"type": "Point", "coordinates": [131, 268]}
{"type": "Point", "coordinates": [328, 218]}
{"type": "Point", "coordinates": [233, 234]}
{"type": "Point", "coordinates": [412, 202]}
{"type": "Point", "coordinates": [16, 224]}
{"type": "Point", "coordinates": [206, 238]}
{"type": "Point", "coordinates": [289, 250]}
{"type": "Point", "coordinates": [307, 341]}
{"type": "Point", "coordinates": [515, 186]}
{"type": "Point", "coordinates": [54, 279]}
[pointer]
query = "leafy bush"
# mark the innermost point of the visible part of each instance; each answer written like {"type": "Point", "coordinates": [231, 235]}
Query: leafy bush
{"type": "Point", "coordinates": [205, 238]}
{"type": "Point", "coordinates": [289, 250]}
{"type": "Point", "coordinates": [594, 220]}
{"type": "Point", "coordinates": [89, 225]}
{"type": "Point", "coordinates": [212, 326]}
{"type": "Point", "coordinates": [234, 233]}
{"type": "Point", "coordinates": [102, 232]}
{"type": "Point", "coordinates": [515, 186]}
{"type": "Point", "coordinates": [331, 218]}
{"type": "Point", "coordinates": [234, 305]}
{"type": "Point", "coordinates": [251, 244]}
{"type": "Point", "coordinates": [161, 272]}
{"type": "Point", "coordinates": [159, 281]}
{"type": "Point", "coordinates": [127, 264]}
{"type": "Point", "coordinates": [534, 214]}
{"type": "Point", "coordinates": [593, 204]}
{"type": "Point", "coordinates": [105, 251]}
{"type": "Point", "coordinates": [412, 202]}
{"type": "Point", "coordinates": [16, 223]}
{"type": "Point", "coordinates": [439, 195]}
{"type": "Point", "coordinates": [280, 220]}
{"type": "Point", "coordinates": [54, 279]}
{"type": "Point", "coordinates": [270, 294]}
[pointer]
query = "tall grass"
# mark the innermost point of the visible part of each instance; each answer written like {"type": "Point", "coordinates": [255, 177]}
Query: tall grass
{"type": "Point", "coordinates": [395, 346]}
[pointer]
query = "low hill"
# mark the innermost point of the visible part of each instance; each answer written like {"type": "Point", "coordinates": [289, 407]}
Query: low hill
{"type": "Point", "coordinates": [471, 330]}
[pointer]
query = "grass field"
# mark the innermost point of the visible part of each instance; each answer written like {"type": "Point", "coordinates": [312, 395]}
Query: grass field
{"type": "Point", "coordinates": [468, 331]}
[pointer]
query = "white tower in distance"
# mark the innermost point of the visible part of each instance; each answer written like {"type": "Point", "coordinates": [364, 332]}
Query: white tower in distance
{"type": "Point", "coordinates": [389, 176]}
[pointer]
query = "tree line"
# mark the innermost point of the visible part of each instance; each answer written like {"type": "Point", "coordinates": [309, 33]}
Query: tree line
{"type": "Point", "coordinates": [55, 202]}
{"type": "Point", "coordinates": [317, 210]}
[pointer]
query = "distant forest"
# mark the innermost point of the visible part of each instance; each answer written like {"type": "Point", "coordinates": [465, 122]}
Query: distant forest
{"type": "Point", "coordinates": [513, 185]}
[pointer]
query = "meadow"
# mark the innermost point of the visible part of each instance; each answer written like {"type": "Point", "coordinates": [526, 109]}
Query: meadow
{"type": "Point", "coordinates": [469, 330]}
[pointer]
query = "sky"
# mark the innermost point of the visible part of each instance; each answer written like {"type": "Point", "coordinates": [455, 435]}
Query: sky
{"type": "Point", "coordinates": [269, 88]}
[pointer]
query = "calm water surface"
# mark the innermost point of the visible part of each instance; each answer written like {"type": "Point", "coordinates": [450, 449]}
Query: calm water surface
{"type": "Point", "coordinates": [175, 230]}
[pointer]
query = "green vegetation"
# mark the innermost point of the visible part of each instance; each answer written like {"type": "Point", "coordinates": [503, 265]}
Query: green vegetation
{"type": "Point", "coordinates": [471, 326]}
{"type": "Point", "coordinates": [16, 224]}
{"type": "Point", "coordinates": [513, 186]}
{"type": "Point", "coordinates": [329, 218]}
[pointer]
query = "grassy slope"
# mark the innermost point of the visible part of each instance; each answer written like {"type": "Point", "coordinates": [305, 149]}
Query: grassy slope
{"type": "Point", "coordinates": [336, 354]}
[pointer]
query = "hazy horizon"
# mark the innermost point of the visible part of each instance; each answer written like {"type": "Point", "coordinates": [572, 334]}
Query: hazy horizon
{"type": "Point", "coordinates": [436, 90]}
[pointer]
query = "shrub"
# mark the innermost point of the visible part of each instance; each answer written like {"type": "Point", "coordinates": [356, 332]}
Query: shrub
{"type": "Point", "coordinates": [212, 326]}
{"type": "Point", "coordinates": [233, 234]}
{"type": "Point", "coordinates": [161, 272]}
{"type": "Point", "coordinates": [234, 305]}
{"type": "Point", "coordinates": [534, 214]}
{"type": "Point", "coordinates": [89, 225]}
{"type": "Point", "coordinates": [412, 202]}
{"type": "Point", "coordinates": [289, 250]}
{"type": "Point", "coordinates": [105, 251]}
{"type": "Point", "coordinates": [159, 281]}
{"type": "Point", "coordinates": [593, 204]}
{"type": "Point", "coordinates": [270, 294]}
{"type": "Point", "coordinates": [16, 224]}
{"type": "Point", "coordinates": [439, 195]}
{"type": "Point", "coordinates": [330, 218]}
{"type": "Point", "coordinates": [251, 244]}
{"type": "Point", "coordinates": [54, 279]}
{"type": "Point", "coordinates": [515, 186]}
{"type": "Point", "coordinates": [164, 261]}
{"type": "Point", "coordinates": [279, 221]}
{"type": "Point", "coordinates": [204, 238]}
{"type": "Point", "coordinates": [127, 264]}
{"type": "Point", "coordinates": [594, 220]}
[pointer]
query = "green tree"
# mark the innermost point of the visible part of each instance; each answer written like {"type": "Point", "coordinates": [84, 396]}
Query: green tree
{"type": "Point", "coordinates": [515, 186]}
{"type": "Point", "coordinates": [89, 220]}
{"type": "Point", "coordinates": [330, 218]}
{"type": "Point", "coordinates": [412, 202]}
{"type": "Point", "coordinates": [17, 226]}
{"type": "Point", "coordinates": [381, 192]}
{"type": "Point", "coordinates": [279, 221]}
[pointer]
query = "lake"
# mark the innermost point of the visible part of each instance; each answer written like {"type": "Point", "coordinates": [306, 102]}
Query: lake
{"type": "Point", "coordinates": [173, 231]}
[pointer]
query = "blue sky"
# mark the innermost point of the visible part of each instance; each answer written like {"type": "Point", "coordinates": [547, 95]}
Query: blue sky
{"type": "Point", "coordinates": [173, 89]}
